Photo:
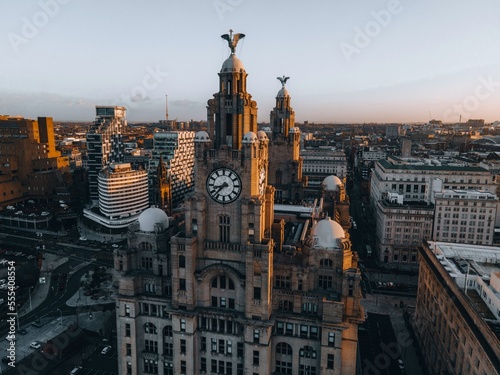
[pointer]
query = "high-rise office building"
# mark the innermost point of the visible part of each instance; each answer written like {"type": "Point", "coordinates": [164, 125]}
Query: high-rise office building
{"type": "Point", "coordinates": [104, 144]}
{"type": "Point", "coordinates": [176, 150]}
{"type": "Point", "coordinates": [227, 293]}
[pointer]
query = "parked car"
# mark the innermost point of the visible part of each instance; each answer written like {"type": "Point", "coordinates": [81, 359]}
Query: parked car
{"type": "Point", "coordinates": [105, 350]}
{"type": "Point", "coordinates": [76, 370]}
{"type": "Point", "coordinates": [35, 345]}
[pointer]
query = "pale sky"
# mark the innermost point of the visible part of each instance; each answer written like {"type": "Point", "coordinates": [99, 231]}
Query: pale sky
{"type": "Point", "coordinates": [348, 61]}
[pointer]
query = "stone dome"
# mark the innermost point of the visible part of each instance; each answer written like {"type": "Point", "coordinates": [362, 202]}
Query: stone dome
{"type": "Point", "coordinates": [331, 183]}
{"type": "Point", "coordinates": [283, 93]}
{"type": "Point", "coordinates": [201, 136]}
{"type": "Point", "coordinates": [262, 135]}
{"type": "Point", "coordinates": [294, 130]}
{"type": "Point", "coordinates": [232, 64]}
{"type": "Point", "coordinates": [150, 217]}
{"type": "Point", "coordinates": [327, 233]}
{"type": "Point", "coordinates": [250, 137]}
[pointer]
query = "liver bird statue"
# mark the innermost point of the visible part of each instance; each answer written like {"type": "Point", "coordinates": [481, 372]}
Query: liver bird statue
{"type": "Point", "coordinates": [283, 80]}
{"type": "Point", "coordinates": [232, 40]}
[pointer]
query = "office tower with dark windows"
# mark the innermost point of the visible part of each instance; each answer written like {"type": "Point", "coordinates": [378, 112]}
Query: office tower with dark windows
{"type": "Point", "coordinates": [104, 144]}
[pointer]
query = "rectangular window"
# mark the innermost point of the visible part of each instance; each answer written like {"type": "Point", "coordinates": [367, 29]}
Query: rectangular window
{"type": "Point", "coordinates": [255, 358]}
{"type": "Point", "coordinates": [203, 346]}
{"type": "Point", "coordinates": [183, 346]}
{"type": "Point", "coordinates": [331, 339]}
{"type": "Point", "coordinates": [182, 284]}
{"type": "Point", "coordinates": [256, 336]}
{"type": "Point", "coordinates": [203, 364]}
{"type": "Point", "coordinates": [330, 361]}
{"type": "Point", "coordinates": [127, 329]}
{"type": "Point", "coordinates": [256, 293]}
{"type": "Point", "coordinates": [224, 226]}
{"type": "Point", "coordinates": [183, 367]}
{"type": "Point", "coordinates": [183, 325]}
{"type": "Point", "coordinates": [147, 263]}
{"type": "Point", "coordinates": [168, 349]}
{"type": "Point", "coordinates": [128, 348]}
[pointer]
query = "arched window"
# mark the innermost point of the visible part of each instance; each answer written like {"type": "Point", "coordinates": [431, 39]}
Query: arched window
{"type": "Point", "coordinates": [283, 363]}
{"type": "Point", "coordinates": [167, 331]}
{"type": "Point", "coordinates": [284, 348]}
{"type": "Point", "coordinates": [222, 282]}
{"type": "Point", "coordinates": [150, 328]}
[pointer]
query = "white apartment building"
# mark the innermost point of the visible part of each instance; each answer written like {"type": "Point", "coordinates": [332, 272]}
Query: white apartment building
{"type": "Point", "coordinates": [465, 216]}
{"type": "Point", "coordinates": [123, 195]}
{"type": "Point", "coordinates": [402, 226]}
{"type": "Point", "coordinates": [320, 163]}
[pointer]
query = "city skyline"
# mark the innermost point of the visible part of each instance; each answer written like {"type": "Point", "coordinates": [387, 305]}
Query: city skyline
{"type": "Point", "coordinates": [382, 61]}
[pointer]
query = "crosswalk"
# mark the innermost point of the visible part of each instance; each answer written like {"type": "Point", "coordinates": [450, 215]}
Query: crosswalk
{"type": "Point", "coordinates": [104, 256]}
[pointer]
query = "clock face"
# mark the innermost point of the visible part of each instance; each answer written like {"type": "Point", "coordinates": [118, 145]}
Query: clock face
{"type": "Point", "coordinates": [262, 180]}
{"type": "Point", "coordinates": [224, 185]}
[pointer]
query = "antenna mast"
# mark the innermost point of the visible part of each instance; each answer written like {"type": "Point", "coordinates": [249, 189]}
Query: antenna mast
{"type": "Point", "coordinates": [166, 108]}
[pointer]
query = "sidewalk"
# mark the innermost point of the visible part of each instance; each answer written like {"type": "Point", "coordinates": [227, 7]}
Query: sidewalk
{"type": "Point", "coordinates": [40, 291]}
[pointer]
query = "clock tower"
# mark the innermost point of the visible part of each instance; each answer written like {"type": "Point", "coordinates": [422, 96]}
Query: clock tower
{"type": "Point", "coordinates": [222, 264]}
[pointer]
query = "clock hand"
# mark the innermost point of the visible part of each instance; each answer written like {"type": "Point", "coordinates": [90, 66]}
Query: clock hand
{"type": "Point", "coordinates": [220, 187]}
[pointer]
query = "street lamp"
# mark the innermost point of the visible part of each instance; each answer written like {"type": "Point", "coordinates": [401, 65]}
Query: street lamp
{"type": "Point", "coordinates": [31, 306]}
{"type": "Point", "coordinates": [60, 312]}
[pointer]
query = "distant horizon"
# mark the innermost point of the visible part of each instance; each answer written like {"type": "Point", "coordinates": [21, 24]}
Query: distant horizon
{"type": "Point", "coordinates": [383, 61]}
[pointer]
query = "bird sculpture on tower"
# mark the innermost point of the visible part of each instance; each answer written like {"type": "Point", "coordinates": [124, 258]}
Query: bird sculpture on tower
{"type": "Point", "coordinates": [232, 40]}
